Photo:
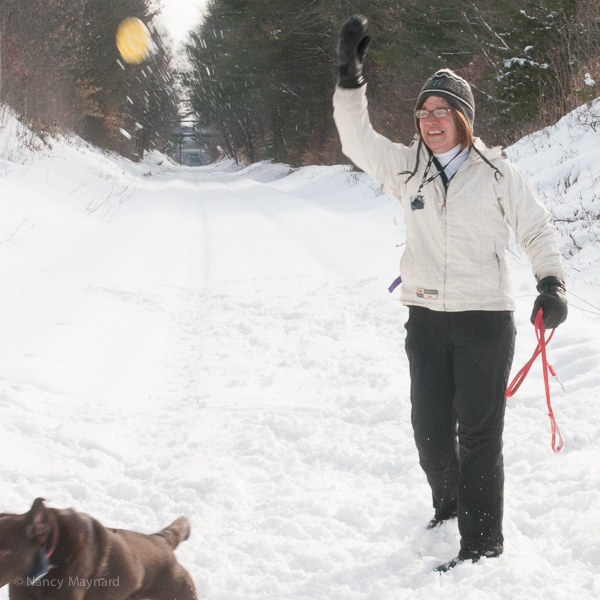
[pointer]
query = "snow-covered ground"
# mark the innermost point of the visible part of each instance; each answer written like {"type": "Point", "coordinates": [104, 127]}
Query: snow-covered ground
{"type": "Point", "coordinates": [221, 343]}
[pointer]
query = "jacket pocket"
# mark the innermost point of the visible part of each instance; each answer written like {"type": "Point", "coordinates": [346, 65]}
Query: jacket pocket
{"type": "Point", "coordinates": [499, 267]}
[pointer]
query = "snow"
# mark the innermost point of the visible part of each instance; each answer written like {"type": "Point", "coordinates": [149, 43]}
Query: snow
{"type": "Point", "coordinates": [510, 62]}
{"type": "Point", "coordinates": [219, 342]}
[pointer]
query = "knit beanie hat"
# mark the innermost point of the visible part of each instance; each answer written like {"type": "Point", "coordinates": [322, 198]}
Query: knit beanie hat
{"type": "Point", "coordinates": [453, 88]}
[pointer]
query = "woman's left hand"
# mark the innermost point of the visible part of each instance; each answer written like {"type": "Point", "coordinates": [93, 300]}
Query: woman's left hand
{"type": "Point", "coordinates": [552, 300]}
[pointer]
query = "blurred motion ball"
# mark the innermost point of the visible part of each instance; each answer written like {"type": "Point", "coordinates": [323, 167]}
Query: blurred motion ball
{"type": "Point", "coordinates": [133, 40]}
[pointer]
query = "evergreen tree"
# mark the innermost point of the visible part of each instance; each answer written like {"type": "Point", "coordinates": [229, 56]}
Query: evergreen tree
{"type": "Point", "coordinates": [262, 75]}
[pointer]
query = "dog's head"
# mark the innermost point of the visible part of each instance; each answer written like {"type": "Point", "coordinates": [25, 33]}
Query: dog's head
{"type": "Point", "coordinates": [21, 537]}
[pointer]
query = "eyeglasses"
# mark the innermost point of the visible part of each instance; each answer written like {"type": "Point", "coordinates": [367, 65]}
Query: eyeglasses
{"type": "Point", "coordinates": [438, 113]}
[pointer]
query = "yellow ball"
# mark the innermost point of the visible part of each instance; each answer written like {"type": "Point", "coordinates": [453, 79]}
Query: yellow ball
{"type": "Point", "coordinates": [133, 40]}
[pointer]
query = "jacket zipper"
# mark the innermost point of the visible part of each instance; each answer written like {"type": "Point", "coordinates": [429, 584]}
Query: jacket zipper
{"type": "Point", "coordinates": [445, 215]}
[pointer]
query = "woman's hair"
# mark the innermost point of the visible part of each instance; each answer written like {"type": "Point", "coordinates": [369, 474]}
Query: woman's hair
{"type": "Point", "coordinates": [465, 135]}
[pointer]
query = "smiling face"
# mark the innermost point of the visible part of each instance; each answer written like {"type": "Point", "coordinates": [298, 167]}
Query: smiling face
{"type": "Point", "coordinates": [440, 135]}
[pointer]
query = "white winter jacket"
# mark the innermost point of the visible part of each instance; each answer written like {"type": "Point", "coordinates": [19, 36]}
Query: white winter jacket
{"type": "Point", "coordinates": [455, 254]}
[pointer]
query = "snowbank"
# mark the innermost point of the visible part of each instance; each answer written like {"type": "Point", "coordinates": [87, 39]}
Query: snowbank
{"type": "Point", "coordinates": [563, 162]}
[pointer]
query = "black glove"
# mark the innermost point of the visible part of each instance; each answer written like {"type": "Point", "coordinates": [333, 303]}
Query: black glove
{"type": "Point", "coordinates": [351, 49]}
{"type": "Point", "coordinates": [553, 300]}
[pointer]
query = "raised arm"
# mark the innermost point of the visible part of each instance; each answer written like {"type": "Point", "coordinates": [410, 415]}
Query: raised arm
{"type": "Point", "coordinates": [373, 153]}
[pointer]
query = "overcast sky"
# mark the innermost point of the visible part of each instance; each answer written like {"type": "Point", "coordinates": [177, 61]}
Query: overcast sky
{"type": "Point", "coordinates": [179, 16]}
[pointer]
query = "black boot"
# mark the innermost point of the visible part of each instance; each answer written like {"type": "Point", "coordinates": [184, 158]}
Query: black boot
{"type": "Point", "coordinates": [463, 556]}
{"type": "Point", "coordinates": [439, 519]}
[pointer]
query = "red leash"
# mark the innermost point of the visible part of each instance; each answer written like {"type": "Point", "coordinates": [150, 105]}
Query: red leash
{"type": "Point", "coordinates": [518, 380]}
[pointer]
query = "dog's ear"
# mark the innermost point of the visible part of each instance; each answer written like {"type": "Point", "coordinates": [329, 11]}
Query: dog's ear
{"type": "Point", "coordinates": [38, 526]}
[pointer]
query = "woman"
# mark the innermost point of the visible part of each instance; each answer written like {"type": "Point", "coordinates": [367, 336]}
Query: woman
{"type": "Point", "coordinates": [458, 196]}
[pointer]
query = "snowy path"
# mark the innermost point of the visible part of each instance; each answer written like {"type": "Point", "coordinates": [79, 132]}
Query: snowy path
{"type": "Point", "coordinates": [221, 344]}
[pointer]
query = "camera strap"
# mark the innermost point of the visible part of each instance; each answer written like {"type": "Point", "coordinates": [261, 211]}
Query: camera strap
{"type": "Point", "coordinates": [425, 180]}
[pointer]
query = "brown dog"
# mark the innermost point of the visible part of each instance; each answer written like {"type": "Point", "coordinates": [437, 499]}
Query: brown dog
{"type": "Point", "coordinates": [48, 553]}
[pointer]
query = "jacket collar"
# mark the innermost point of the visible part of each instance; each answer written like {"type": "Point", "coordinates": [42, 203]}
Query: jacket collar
{"type": "Point", "coordinates": [479, 153]}
{"type": "Point", "coordinates": [489, 153]}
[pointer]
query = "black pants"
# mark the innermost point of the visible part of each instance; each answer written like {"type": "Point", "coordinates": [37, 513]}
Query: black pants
{"type": "Point", "coordinates": [459, 368]}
